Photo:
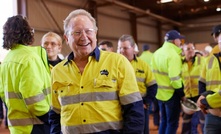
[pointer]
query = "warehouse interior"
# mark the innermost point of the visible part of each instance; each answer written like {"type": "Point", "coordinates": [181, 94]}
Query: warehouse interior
{"type": "Point", "coordinates": [146, 21]}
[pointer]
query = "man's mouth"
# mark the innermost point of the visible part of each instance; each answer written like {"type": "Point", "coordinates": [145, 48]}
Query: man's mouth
{"type": "Point", "coordinates": [84, 44]}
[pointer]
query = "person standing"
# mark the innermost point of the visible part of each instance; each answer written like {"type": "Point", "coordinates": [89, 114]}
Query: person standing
{"type": "Point", "coordinates": [146, 55]}
{"type": "Point", "coordinates": [191, 71]}
{"type": "Point", "coordinates": [25, 79]}
{"type": "Point", "coordinates": [106, 46]}
{"type": "Point", "coordinates": [216, 30]}
{"type": "Point", "coordinates": [145, 78]}
{"type": "Point", "coordinates": [94, 91]}
{"type": "Point", "coordinates": [52, 43]}
{"type": "Point", "coordinates": [209, 83]}
{"type": "Point", "coordinates": [166, 64]}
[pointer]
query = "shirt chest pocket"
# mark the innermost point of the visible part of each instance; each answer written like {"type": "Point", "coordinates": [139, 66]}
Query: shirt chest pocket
{"type": "Point", "coordinates": [104, 83]}
{"type": "Point", "coordinates": [63, 89]}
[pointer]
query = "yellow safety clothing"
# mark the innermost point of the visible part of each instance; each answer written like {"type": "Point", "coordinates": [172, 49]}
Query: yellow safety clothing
{"type": "Point", "coordinates": [146, 56]}
{"type": "Point", "coordinates": [144, 75]}
{"type": "Point", "coordinates": [190, 74]}
{"type": "Point", "coordinates": [215, 49]}
{"type": "Point", "coordinates": [210, 75]}
{"type": "Point", "coordinates": [167, 70]}
{"type": "Point", "coordinates": [25, 87]}
{"type": "Point", "coordinates": [91, 102]}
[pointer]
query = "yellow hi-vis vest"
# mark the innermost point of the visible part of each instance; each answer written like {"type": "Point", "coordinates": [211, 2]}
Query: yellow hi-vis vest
{"type": "Point", "coordinates": [191, 75]}
{"type": "Point", "coordinates": [166, 63]}
{"type": "Point", "coordinates": [211, 74]}
{"type": "Point", "coordinates": [25, 87]}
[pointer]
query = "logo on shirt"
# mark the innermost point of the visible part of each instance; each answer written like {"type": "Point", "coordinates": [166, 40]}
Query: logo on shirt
{"type": "Point", "coordinates": [104, 72]}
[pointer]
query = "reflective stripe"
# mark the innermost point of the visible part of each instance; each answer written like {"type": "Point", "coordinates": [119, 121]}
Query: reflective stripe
{"type": "Point", "coordinates": [210, 62]}
{"type": "Point", "coordinates": [152, 83]}
{"type": "Point", "coordinates": [139, 79]}
{"type": "Point", "coordinates": [165, 87]}
{"type": "Point", "coordinates": [34, 99]}
{"type": "Point", "coordinates": [175, 78]}
{"type": "Point", "coordinates": [47, 91]}
{"type": "Point", "coordinates": [92, 128]}
{"type": "Point", "coordinates": [56, 110]}
{"type": "Point", "coordinates": [12, 95]}
{"type": "Point", "coordinates": [192, 86]}
{"type": "Point", "coordinates": [213, 83]}
{"type": "Point", "coordinates": [202, 121]}
{"type": "Point", "coordinates": [199, 59]}
{"type": "Point", "coordinates": [89, 97]}
{"type": "Point", "coordinates": [193, 76]}
{"type": "Point", "coordinates": [23, 122]}
{"type": "Point", "coordinates": [130, 98]}
{"type": "Point", "coordinates": [163, 73]}
{"type": "Point", "coordinates": [202, 80]}
{"type": "Point", "coordinates": [186, 120]}
{"type": "Point", "coordinates": [219, 92]}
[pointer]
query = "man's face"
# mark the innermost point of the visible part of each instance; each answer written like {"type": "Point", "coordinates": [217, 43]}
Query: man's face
{"type": "Point", "coordinates": [104, 47]}
{"type": "Point", "coordinates": [178, 42]}
{"type": "Point", "coordinates": [189, 50]}
{"type": "Point", "coordinates": [126, 49]}
{"type": "Point", "coordinates": [81, 37]}
{"type": "Point", "coordinates": [52, 46]}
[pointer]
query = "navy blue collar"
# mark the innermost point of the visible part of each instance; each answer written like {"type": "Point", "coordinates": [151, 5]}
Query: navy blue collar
{"type": "Point", "coordinates": [95, 54]}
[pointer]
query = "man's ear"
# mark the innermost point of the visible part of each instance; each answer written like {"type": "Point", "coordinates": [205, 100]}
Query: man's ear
{"type": "Point", "coordinates": [65, 38]}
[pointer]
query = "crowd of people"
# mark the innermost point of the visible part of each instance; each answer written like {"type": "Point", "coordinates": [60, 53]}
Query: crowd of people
{"type": "Point", "coordinates": [95, 90]}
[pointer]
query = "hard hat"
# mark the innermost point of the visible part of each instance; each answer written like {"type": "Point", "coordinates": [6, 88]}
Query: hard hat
{"type": "Point", "coordinates": [189, 107]}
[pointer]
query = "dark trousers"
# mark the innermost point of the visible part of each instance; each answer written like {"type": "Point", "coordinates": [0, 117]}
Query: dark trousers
{"type": "Point", "coordinates": [146, 121]}
{"type": "Point", "coordinates": [170, 113]}
{"type": "Point", "coordinates": [212, 124]}
{"type": "Point", "coordinates": [190, 122]}
{"type": "Point", "coordinates": [1, 109]}
{"type": "Point", "coordinates": [156, 112]}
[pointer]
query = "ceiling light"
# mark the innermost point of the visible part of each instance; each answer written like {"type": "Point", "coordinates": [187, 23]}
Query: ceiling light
{"type": "Point", "coordinates": [165, 1]}
{"type": "Point", "coordinates": [218, 9]}
{"type": "Point", "coordinates": [206, 0]}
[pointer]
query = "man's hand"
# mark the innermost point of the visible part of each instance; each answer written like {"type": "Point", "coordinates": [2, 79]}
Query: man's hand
{"type": "Point", "coordinates": [200, 105]}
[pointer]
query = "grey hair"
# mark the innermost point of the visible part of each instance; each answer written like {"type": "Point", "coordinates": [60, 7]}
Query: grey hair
{"type": "Point", "coordinates": [129, 38]}
{"type": "Point", "coordinates": [74, 14]}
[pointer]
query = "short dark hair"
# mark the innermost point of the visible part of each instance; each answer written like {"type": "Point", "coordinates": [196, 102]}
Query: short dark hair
{"type": "Point", "coordinates": [146, 47]}
{"type": "Point", "coordinates": [17, 30]}
{"type": "Point", "coordinates": [108, 43]}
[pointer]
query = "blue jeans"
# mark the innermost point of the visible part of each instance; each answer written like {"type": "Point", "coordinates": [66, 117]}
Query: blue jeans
{"type": "Point", "coordinates": [212, 124]}
{"type": "Point", "coordinates": [170, 113]}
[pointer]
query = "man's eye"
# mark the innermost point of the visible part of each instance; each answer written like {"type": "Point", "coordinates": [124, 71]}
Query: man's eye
{"type": "Point", "coordinates": [88, 31]}
{"type": "Point", "coordinates": [77, 33]}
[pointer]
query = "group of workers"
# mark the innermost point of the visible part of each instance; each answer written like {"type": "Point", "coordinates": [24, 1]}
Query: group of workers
{"type": "Point", "coordinates": [97, 91]}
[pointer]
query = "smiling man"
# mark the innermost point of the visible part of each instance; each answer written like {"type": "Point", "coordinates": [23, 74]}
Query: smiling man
{"type": "Point", "coordinates": [93, 91]}
{"type": "Point", "coordinates": [145, 78]}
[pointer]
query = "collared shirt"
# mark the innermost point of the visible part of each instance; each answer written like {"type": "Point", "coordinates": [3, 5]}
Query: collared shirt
{"type": "Point", "coordinates": [91, 101]}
